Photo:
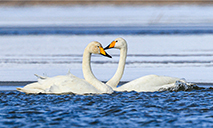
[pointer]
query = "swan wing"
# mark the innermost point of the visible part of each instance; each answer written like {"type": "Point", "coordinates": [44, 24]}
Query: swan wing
{"type": "Point", "coordinates": [73, 84]}
{"type": "Point", "coordinates": [34, 88]}
{"type": "Point", "coordinates": [60, 84]}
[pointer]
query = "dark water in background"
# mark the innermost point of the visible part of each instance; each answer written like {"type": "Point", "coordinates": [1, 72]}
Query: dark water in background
{"type": "Point", "coordinates": [120, 109]}
{"type": "Point", "coordinates": [96, 30]}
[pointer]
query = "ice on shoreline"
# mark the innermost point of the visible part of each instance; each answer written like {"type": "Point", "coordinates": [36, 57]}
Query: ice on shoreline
{"type": "Point", "coordinates": [183, 56]}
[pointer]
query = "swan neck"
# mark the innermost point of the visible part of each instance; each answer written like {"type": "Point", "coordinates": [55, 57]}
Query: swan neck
{"type": "Point", "coordinates": [113, 82]}
{"type": "Point", "coordinates": [89, 76]}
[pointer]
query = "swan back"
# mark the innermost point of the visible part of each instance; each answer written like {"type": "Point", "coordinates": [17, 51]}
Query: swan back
{"type": "Point", "coordinates": [148, 83]}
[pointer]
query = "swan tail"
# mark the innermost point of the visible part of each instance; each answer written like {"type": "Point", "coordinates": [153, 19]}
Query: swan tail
{"type": "Point", "coordinates": [29, 91]}
{"type": "Point", "coordinates": [40, 77]}
{"type": "Point", "coordinates": [68, 73]}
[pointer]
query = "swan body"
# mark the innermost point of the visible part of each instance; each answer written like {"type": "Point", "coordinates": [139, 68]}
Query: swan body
{"type": "Point", "coordinates": [60, 84]}
{"type": "Point", "coordinates": [70, 83]}
{"type": "Point", "coordinates": [149, 83]}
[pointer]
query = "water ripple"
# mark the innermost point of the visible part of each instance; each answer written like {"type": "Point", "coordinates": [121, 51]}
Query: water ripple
{"type": "Point", "coordinates": [120, 109]}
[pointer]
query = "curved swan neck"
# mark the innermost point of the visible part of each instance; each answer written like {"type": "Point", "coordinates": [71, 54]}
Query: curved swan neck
{"type": "Point", "coordinates": [89, 76]}
{"type": "Point", "coordinates": [113, 82]}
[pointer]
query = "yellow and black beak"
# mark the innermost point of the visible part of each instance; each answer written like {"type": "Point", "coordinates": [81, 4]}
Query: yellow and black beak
{"type": "Point", "coordinates": [111, 45]}
{"type": "Point", "coordinates": [104, 53]}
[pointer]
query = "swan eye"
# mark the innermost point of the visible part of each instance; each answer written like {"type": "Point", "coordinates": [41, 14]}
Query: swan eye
{"type": "Point", "coordinates": [116, 41]}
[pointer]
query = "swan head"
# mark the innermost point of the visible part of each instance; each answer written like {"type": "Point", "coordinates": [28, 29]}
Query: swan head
{"type": "Point", "coordinates": [96, 48]}
{"type": "Point", "coordinates": [117, 43]}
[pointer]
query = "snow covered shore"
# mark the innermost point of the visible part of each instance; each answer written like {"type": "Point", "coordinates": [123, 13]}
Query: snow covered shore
{"type": "Point", "coordinates": [106, 15]}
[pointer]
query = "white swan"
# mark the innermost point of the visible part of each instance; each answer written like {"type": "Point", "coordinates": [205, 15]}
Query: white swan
{"type": "Point", "coordinates": [149, 83]}
{"type": "Point", "coordinates": [70, 83]}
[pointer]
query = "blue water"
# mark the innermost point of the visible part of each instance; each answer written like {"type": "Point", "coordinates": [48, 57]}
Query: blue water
{"type": "Point", "coordinates": [97, 30]}
{"type": "Point", "coordinates": [121, 109]}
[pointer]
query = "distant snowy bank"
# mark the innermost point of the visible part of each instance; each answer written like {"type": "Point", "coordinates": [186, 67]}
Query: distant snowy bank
{"type": "Point", "coordinates": [113, 15]}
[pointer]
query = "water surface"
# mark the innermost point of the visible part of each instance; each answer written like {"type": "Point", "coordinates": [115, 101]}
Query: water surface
{"type": "Point", "coordinates": [120, 109]}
